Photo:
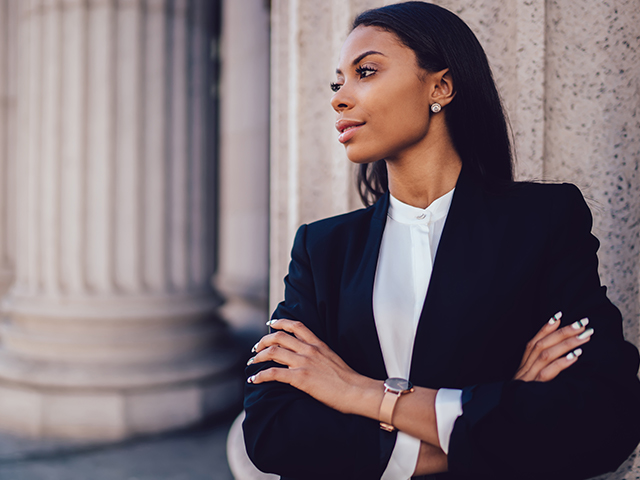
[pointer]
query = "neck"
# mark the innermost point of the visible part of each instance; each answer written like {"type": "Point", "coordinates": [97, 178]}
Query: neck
{"type": "Point", "coordinates": [422, 175]}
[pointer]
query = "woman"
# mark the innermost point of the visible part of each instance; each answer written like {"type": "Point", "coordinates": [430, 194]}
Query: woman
{"type": "Point", "coordinates": [500, 390]}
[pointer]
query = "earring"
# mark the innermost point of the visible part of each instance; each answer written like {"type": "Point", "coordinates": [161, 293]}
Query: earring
{"type": "Point", "coordinates": [436, 107]}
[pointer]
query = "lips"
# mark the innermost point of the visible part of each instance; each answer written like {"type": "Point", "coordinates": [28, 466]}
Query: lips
{"type": "Point", "coordinates": [347, 129]}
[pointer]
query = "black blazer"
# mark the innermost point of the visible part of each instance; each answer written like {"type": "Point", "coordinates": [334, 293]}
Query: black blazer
{"type": "Point", "coordinates": [505, 264]}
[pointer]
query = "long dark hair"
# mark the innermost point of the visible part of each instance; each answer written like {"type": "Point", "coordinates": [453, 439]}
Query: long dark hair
{"type": "Point", "coordinates": [475, 118]}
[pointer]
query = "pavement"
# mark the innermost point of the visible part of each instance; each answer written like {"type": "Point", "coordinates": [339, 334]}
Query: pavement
{"type": "Point", "coordinates": [192, 454]}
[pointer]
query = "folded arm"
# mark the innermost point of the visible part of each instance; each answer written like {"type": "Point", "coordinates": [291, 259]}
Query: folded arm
{"type": "Point", "coordinates": [584, 422]}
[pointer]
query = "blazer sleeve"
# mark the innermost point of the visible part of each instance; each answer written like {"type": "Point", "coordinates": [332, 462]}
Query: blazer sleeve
{"type": "Point", "coordinates": [288, 432]}
{"type": "Point", "coordinates": [584, 422]}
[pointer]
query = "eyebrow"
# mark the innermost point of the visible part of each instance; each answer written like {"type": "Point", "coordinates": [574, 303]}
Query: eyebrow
{"type": "Point", "coordinates": [360, 57]}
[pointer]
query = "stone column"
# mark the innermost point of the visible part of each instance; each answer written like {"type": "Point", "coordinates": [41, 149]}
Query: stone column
{"type": "Point", "coordinates": [311, 177]}
{"type": "Point", "coordinates": [513, 36]}
{"type": "Point", "coordinates": [8, 76]}
{"type": "Point", "coordinates": [592, 137]}
{"type": "Point", "coordinates": [568, 74]}
{"type": "Point", "coordinates": [242, 274]}
{"type": "Point", "coordinates": [593, 131]}
{"type": "Point", "coordinates": [110, 328]}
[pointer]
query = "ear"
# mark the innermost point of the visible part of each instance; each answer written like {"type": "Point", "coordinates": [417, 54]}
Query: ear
{"type": "Point", "coordinates": [442, 87]}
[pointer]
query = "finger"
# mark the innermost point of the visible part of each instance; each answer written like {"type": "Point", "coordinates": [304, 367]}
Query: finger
{"type": "Point", "coordinates": [302, 332]}
{"type": "Point", "coordinates": [552, 339]}
{"type": "Point", "coordinates": [551, 354]}
{"type": "Point", "coordinates": [299, 329]}
{"type": "Point", "coordinates": [281, 339]}
{"type": "Point", "coordinates": [546, 329]}
{"type": "Point", "coordinates": [552, 370]}
{"type": "Point", "coordinates": [277, 354]}
{"type": "Point", "coordinates": [274, 374]}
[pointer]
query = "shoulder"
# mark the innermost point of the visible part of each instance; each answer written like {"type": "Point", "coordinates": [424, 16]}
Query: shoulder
{"type": "Point", "coordinates": [338, 228]}
{"type": "Point", "coordinates": [542, 192]}
{"type": "Point", "coordinates": [548, 199]}
{"type": "Point", "coordinates": [557, 208]}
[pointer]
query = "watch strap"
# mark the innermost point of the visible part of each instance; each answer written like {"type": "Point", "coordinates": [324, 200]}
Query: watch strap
{"type": "Point", "coordinates": [387, 407]}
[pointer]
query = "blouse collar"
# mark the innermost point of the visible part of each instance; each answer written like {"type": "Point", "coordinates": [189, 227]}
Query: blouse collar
{"type": "Point", "coordinates": [410, 215]}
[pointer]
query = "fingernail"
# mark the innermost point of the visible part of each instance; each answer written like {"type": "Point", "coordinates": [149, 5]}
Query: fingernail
{"type": "Point", "coordinates": [580, 323]}
{"type": "Point", "coordinates": [271, 322]}
{"type": "Point", "coordinates": [576, 353]}
{"type": "Point", "coordinates": [255, 348]}
{"type": "Point", "coordinates": [585, 334]}
{"type": "Point", "coordinates": [251, 379]}
{"type": "Point", "coordinates": [555, 318]}
{"type": "Point", "coordinates": [250, 361]}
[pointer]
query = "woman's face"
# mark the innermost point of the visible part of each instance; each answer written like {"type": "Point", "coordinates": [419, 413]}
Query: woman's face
{"type": "Point", "coordinates": [382, 99]}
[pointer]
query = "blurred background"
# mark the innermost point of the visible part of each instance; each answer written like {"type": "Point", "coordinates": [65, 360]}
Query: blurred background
{"type": "Point", "coordinates": [156, 159]}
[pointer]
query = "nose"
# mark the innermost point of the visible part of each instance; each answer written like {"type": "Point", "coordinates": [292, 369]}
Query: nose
{"type": "Point", "coordinates": [341, 100]}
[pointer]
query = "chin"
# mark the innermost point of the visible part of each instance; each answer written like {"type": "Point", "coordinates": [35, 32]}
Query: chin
{"type": "Point", "coordinates": [360, 157]}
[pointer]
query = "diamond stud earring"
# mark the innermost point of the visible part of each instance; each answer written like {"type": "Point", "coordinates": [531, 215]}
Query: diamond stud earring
{"type": "Point", "coordinates": [436, 107]}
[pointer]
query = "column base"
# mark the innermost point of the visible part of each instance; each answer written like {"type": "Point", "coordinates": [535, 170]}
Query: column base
{"type": "Point", "coordinates": [109, 368]}
{"type": "Point", "coordinates": [239, 462]}
{"type": "Point", "coordinates": [104, 404]}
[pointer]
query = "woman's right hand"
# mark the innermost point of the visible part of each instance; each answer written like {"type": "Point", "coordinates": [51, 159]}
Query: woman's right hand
{"type": "Point", "coordinates": [553, 350]}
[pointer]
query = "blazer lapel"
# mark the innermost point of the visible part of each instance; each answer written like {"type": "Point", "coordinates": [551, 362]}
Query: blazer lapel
{"type": "Point", "coordinates": [361, 344]}
{"type": "Point", "coordinates": [462, 270]}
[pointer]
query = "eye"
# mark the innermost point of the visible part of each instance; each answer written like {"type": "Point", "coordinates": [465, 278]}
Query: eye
{"type": "Point", "coordinates": [365, 71]}
{"type": "Point", "coordinates": [362, 71]}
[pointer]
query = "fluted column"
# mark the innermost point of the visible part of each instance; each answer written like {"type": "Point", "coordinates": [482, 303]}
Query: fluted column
{"type": "Point", "coordinates": [8, 76]}
{"type": "Point", "coordinates": [111, 326]}
{"type": "Point", "coordinates": [242, 273]}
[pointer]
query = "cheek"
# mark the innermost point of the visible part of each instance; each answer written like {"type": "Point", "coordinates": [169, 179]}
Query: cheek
{"type": "Point", "coordinates": [404, 110]}
{"type": "Point", "coordinates": [402, 119]}
{"type": "Point", "coordinates": [396, 119]}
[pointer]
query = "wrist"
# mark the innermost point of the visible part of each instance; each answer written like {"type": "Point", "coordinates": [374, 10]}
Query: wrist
{"type": "Point", "coordinates": [365, 398]}
{"type": "Point", "coordinates": [394, 388]}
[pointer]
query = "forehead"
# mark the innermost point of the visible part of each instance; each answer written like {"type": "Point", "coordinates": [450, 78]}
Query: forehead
{"type": "Point", "coordinates": [363, 39]}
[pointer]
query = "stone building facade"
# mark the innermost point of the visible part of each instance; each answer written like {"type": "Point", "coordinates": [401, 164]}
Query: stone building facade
{"type": "Point", "coordinates": [157, 156]}
{"type": "Point", "coordinates": [569, 75]}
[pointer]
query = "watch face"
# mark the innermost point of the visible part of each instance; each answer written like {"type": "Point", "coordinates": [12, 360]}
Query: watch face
{"type": "Point", "coordinates": [398, 384]}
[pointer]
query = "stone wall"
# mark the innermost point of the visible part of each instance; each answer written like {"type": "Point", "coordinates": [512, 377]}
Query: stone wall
{"type": "Point", "coordinates": [569, 74]}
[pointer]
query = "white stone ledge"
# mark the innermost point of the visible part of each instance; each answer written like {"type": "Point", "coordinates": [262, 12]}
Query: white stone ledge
{"type": "Point", "coordinates": [27, 372]}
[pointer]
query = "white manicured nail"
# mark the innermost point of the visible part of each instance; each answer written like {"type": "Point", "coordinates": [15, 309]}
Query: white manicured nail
{"type": "Point", "coordinates": [575, 354]}
{"type": "Point", "coordinates": [251, 360]}
{"type": "Point", "coordinates": [555, 318]}
{"type": "Point", "coordinates": [585, 334]}
{"type": "Point", "coordinates": [580, 323]}
{"type": "Point", "coordinates": [271, 322]}
{"type": "Point", "coordinates": [255, 348]}
{"type": "Point", "coordinates": [251, 379]}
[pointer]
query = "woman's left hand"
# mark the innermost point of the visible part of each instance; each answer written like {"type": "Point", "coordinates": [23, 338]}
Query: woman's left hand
{"type": "Point", "coordinates": [312, 366]}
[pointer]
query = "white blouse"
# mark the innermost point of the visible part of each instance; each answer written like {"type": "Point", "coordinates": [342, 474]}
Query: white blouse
{"type": "Point", "coordinates": [407, 252]}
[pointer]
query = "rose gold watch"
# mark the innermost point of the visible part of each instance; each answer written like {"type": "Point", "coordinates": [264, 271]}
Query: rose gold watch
{"type": "Point", "coordinates": [393, 388]}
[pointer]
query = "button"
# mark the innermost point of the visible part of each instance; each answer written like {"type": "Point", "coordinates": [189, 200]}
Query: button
{"type": "Point", "coordinates": [421, 216]}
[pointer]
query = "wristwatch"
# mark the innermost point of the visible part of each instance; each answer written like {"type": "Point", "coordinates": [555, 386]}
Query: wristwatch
{"type": "Point", "coordinates": [393, 388]}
